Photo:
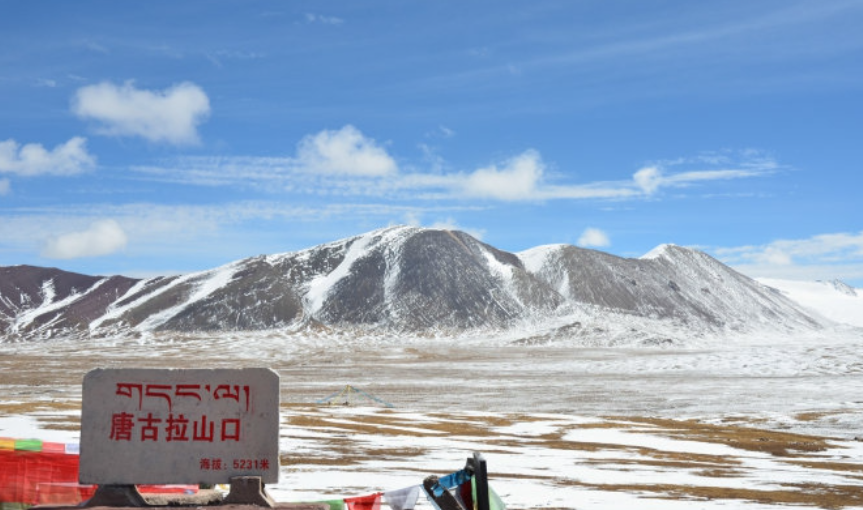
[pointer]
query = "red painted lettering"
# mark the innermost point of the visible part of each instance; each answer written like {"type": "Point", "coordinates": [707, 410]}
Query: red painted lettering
{"type": "Point", "coordinates": [150, 432]}
{"type": "Point", "coordinates": [205, 431]}
{"type": "Point", "coordinates": [188, 390]}
{"type": "Point", "coordinates": [121, 427]}
{"type": "Point", "coordinates": [231, 429]}
{"type": "Point", "coordinates": [177, 428]}
{"type": "Point", "coordinates": [125, 389]}
{"type": "Point", "coordinates": [160, 391]}
{"type": "Point", "coordinates": [232, 392]}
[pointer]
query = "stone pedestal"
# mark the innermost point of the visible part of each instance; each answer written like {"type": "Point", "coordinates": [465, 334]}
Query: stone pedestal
{"type": "Point", "coordinates": [249, 490]}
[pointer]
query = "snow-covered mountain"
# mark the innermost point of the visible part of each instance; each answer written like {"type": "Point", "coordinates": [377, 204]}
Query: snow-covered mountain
{"type": "Point", "coordinates": [406, 279]}
{"type": "Point", "coordinates": [834, 299]}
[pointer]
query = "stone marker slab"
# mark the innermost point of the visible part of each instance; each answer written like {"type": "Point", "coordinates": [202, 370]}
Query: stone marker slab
{"type": "Point", "coordinates": [178, 426]}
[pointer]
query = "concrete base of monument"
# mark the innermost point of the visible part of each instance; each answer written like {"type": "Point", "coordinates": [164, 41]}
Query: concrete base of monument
{"type": "Point", "coordinates": [249, 490]}
{"type": "Point", "coordinates": [247, 493]}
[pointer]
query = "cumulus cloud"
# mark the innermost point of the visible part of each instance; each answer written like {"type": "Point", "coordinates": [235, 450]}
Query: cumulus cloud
{"type": "Point", "coordinates": [517, 179]}
{"type": "Point", "coordinates": [593, 238]}
{"type": "Point", "coordinates": [344, 152]}
{"type": "Point", "coordinates": [345, 162]}
{"type": "Point", "coordinates": [101, 238]}
{"type": "Point", "coordinates": [33, 159]}
{"type": "Point", "coordinates": [5, 187]}
{"type": "Point", "coordinates": [648, 179]}
{"type": "Point", "coordinates": [171, 115]}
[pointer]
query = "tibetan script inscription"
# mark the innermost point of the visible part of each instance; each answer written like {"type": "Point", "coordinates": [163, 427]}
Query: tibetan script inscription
{"type": "Point", "coordinates": [147, 426]}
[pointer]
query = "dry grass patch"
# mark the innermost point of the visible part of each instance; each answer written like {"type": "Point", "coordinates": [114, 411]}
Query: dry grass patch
{"type": "Point", "coordinates": [829, 466]}
{"type": "Point", "coordinates": [758, 440]}
{"type": "Point", "coordinates": [582, 446]}
{"type": "Point", "coordinates": [696, 458]}
{"type": "Point", "coordinates": [393, 424]}
{"type": "Point", "coordinates": [665, 464]}
{"type": "Point", "coordinates": [394, 453]}
{"type": "Point", "coordinates": [824, 496]}
{"type": "Point", "coordinates": [610, 424]}
{"type": "Point", "coordinates": [519, 476]}
{"type": "Point", "coordinates": [659, 457]}
{"type": "Point", "coordinates": [720, 473]}
{"type": "Point", "coordinates": [39, 406]}
{"type": "Point", "coordinates": [302, 460]}
{"type": "Point", "coordinates": [816, 415]}
{"type": "Point", "coordinates": [363, 425]}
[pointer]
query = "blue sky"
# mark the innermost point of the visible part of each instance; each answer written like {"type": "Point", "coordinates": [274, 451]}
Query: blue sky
{"type": "Point", "coordinates": [162, 137]}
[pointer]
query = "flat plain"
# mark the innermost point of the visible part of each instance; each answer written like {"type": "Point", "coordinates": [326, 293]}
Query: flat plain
{"type": "Point", "coordinates": [741, 424]}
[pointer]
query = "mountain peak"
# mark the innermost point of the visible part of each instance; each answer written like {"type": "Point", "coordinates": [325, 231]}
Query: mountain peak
{"type": "Point", "coordinates": [401, 278]}
{"type": "Point", "coordinates": [663, 250]}
{"type": "Point", "coordinates": [842, 287]}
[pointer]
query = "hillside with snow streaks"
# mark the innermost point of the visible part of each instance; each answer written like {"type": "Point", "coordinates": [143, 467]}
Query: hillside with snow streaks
{"type": "Point", "coordinates": [671, 283]}
{"type": "Point", "coordinates": [413, 280]}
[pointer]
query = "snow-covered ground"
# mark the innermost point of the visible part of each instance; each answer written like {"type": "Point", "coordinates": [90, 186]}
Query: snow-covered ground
{"type": "Point", "coordinates": [562, 426]}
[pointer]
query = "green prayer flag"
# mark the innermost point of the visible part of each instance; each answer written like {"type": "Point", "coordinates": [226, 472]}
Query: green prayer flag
{"type": "Point", "coordinates": [31, 445]}
{"type": "Point", "coordinates": [335, 504]}
{"type": "Point", "coordinates": [494, 501]}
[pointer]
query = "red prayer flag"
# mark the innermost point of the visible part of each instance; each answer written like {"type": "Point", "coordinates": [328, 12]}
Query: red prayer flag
{"type": "Point", "coordinates": [370, 502]}
{"type": "Point", "coordinates": [23, 471]}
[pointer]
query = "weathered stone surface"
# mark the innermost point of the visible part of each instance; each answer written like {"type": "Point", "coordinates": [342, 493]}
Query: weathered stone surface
{"type": "Point", "coordinates": [248, 490]}
{"type": "Point", "coordinates": [149, 426]}
{"type": "Point", "coordinates": [117, 495]}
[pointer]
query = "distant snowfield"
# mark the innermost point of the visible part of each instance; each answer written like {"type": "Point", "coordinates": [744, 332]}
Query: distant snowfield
{"type": "Point", "coordinates": [832, 299]}
{"type": "Point", "coordinates": [562, 425]}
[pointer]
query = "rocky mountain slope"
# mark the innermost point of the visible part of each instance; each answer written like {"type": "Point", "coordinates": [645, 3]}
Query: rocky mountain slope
{"type": "Point", "coordinates": [403, 279]}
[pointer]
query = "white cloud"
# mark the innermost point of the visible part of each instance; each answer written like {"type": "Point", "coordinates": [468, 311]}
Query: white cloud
{"type": "Point", "coordinates": [517, 180]}
{"type": "Point", "coordinates": [101, 238]}
{"type": "Point", "coordinates": [651, 179]}
{"type": "Point", "coordinates": [593, 238]}
{"type": "Point", "coordinates": [825, 256]}
{"type": "Point", "coordinates": [192, 233]}
{"type": "Point", "coordinates": [33, 159]}
{"type": "Point", "coordinates": [171, 115]}
{"type": "Point", "coordinates": [5, 187]}
{"type": "Point", "coordinates": [452, 224]}
{"type": "Point", "coordinates": [343, 152]}
{"type": "Point", "coordinates": [94, 46]}
{"type": "Point", "coordinates": [326, 20]}
{"type": "Point", "coordinates": [648, 179]}
{"type": "Point", "coordinates": [441, 132]}
{"type": "Point", "coordinates": [345, 162]}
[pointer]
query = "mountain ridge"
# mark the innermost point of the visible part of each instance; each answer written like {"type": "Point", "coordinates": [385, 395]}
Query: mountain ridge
{"type": "Point", "coordinates": [403, 279]}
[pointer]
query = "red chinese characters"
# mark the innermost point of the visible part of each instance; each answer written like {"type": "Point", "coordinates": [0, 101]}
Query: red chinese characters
{"type": "Point", "coordinates": [121, 426]}
{"type": "Point", "coordinates": [149, 424]}
{"type": "Point", "coordinates": [217, 464]}
{"type": "Point", "coordinates": [175, 428]}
